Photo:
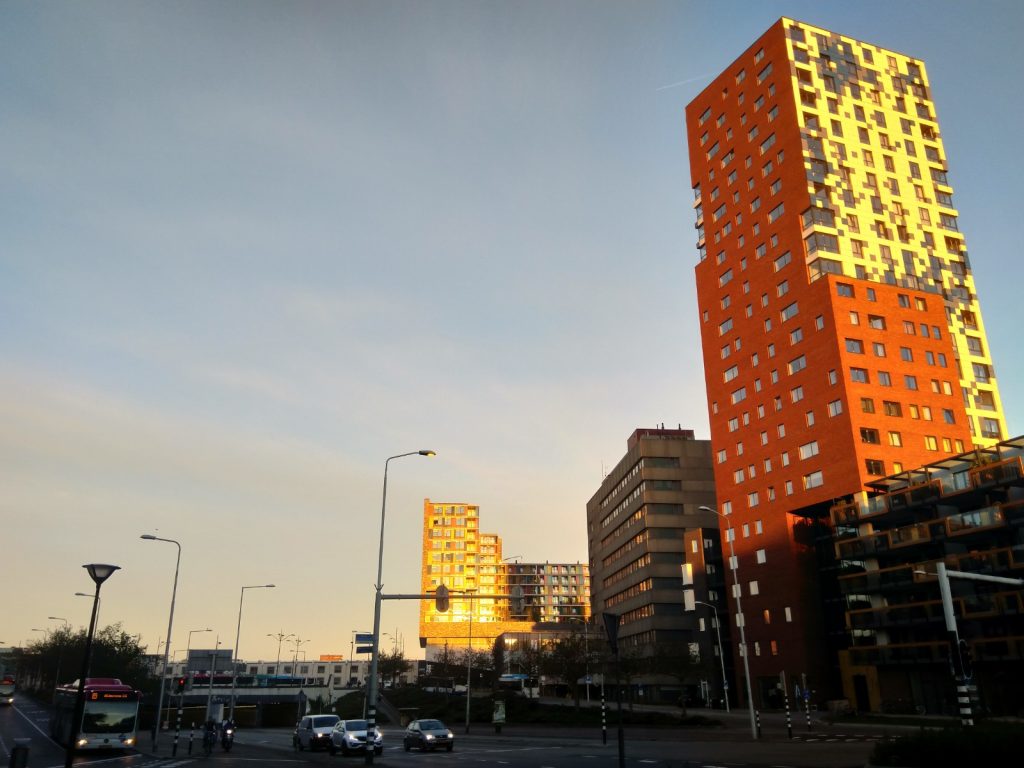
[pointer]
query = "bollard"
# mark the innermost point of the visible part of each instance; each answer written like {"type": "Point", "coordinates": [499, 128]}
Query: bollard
{"type": "Point", "coordinates": [19, 754]}
{"type": "Point", "coordinates": [757, 720]}
{"type": "Point", "coordinates": [177, 730]}
{"type": "Point", "coordinates": [604, 722]}
{"type": "Point", "coordinates": [789, 719]}
{"type": "Point", "coordinates": [807, 706]}
{"type": "Point", "coordinates": [191, 731]}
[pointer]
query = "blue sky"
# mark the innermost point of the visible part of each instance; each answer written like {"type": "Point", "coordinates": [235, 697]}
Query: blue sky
{"type": "Point", "coordinates": [249, 250]}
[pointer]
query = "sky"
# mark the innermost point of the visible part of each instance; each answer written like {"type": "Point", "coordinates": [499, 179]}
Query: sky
{"type": "Point", "coordinates": [249, 250]}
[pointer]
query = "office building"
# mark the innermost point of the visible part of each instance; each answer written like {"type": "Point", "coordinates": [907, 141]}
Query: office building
{"type": "Point", "coordinates": [645, 534]}
{"type": "Point", "coordinates": [841, 331]}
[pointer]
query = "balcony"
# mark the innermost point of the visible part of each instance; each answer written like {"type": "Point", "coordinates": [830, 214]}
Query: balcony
{"type": "Point", "coordinates": [998, 472]}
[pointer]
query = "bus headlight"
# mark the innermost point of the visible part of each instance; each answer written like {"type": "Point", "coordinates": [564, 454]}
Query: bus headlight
{"type": "Point", "coordinates": [82, 742]}
{"type": "Point", "coordinates": [129, 741]}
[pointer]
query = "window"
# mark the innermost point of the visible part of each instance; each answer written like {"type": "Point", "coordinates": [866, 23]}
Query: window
{"type": "Point", "coordinates": [725, 326]}
{"type": "Point", "coordinates": [884, 379]}
{"type": "Point", "coordinates": [867, 405]}
{"type": "Point", "coordinates": [869, 436]}
{"type": "Point", "coordinates": [807, 450]}
{"type": "Point", "coordinates": [876, 322]}
{"type": "Point", "coordinates": [796, 364]}
{"type": "Point", "coordinates": [910, 381]}
{"type": "Point", "coordinates": [891, 408]}
{"type": "Point", "coordinates": [844, 289]}
{"type": "Point", "coordinates": [906, 354]}
{"type": "Point", "coordinates": [738, 395]}
{"type": "Point", "coordinates": [896, 439]}
{"type": "Point", "coordinates": [859, 375]}
{"type": "Point", "coordinates": [931, 443]}
{"type": "Point", "coordinates": [796, 394]}
{"type": "Point", "coordinates": [855, 346]}
{"type": "Point", "coordinates": [833, 378]}
{"type": "Point", "coordinates": [835, 407]}
{"type": "Point", "coordinates": [776, 212]}
{"type": "Point", "coordinates": [878, 348]}
{"type": "Point", "coordinates": [782, 261]}
{"type": "Point", "coordinates": [789, 312]}
{"type": "Point", "coordinates": [796, 336]}
{"type": "Point", "coordinates": [813, 480]}
{"type": "Point", "coordinates": [874, 466]}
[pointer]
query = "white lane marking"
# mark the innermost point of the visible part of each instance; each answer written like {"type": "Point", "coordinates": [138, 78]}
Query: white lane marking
{"type": "Point", "coordinates": [4, 746]}
{"type": "Point", "coordinates": [43, 733]}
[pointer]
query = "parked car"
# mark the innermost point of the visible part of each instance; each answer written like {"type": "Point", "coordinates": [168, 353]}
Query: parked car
{"type": "Point", "coordinates": [349, 736]}
{"type": "Point", "coordinates": [314, 732]}
{"type": "Point", "coordinates": [428, 734]}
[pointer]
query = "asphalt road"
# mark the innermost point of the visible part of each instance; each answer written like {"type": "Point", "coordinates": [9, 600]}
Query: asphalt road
{"type": "Point", "coordinates": [535, 747]}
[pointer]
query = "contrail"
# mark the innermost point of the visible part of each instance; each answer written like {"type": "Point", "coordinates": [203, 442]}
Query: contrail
{"type": "Point", "coordinates": [684, 82]}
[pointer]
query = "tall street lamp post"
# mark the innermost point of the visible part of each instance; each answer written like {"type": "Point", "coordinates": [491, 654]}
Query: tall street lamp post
{"type": "Point", "coordinates": [469, 657]}
{"type": "Point", "coordinates": [721, 654]}
{"type": "Point", "coordinates": [213, 669]}
{"type": "Point", "coordinates": [281, 637]}
{"type": "Point", "coordinates": [60, 650]}
{"type": "Point", "coordinates": [99, 573]}
{"type": "Point", "coordinates": [167, 645]}
{"type": "Point", "coordinates": [238, 633]}
{"type": "Point", "coordinates": [734, 565]}
{"type": "Point", "coordinates": [188, 645]}
{"type": "Point", "coordinates": [371, 694]}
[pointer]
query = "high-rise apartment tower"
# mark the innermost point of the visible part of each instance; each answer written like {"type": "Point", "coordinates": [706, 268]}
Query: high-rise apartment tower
{"type": "Point", "coordinates": [841, 330]}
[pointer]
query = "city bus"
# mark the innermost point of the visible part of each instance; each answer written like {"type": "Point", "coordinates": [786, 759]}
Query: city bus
{"type": "Point", "coordinates": [109, 720]}
{"type": "Point", "coordinates": [7, 687]}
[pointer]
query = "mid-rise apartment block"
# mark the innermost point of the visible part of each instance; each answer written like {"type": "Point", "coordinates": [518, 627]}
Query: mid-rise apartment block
{"type": "Point", "coordinates": [488, 595]}
{"type": "Point", "coordinates": [841, 330]}
{"type": "Point", "coordinates": [644, 527]}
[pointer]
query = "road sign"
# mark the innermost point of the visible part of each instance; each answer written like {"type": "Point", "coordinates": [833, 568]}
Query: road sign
{"type": "Point", "coordinates": [364, 638]}
{"type": "Point", "coordinates": [364, 649]}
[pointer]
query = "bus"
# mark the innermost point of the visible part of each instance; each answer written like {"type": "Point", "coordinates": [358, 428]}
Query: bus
{"type": "Point", "coordinates": [109, 720]}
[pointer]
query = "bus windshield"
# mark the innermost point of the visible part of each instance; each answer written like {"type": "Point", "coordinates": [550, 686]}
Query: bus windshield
{"type": "Point", "coordinates": [109, 716]}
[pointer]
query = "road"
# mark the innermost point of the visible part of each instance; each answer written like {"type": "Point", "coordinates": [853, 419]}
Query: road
{"type": "Point", "coordinates": [536, 747]}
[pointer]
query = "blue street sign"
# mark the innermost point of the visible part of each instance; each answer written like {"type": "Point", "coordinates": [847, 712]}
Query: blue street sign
{"type": "Point", "coordinates": [364, 649]}
{"type": "Point", "coordinates": [364, 638]}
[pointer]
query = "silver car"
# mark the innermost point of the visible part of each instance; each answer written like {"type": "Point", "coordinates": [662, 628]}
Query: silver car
{"type": "Point", "coordinates": [349, 736]}
{"type": "Point", "coordinates": [314, 732]}
{"type": "Point", "coordinates": [428, 734]}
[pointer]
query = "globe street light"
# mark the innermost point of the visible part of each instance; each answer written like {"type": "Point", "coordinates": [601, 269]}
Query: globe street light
{"type": "Point", "coordinates": [99, 573]}
{"type": "Point", "coordinates": [371, 694]}
{"type": "Point", "coordinates": [721, 655]}
{"type": "Point", "coordinates": [167, 645]}
{"type": "Point", "coordinates": [238, 632]}
{"type": "Point", "coordinates": [734, 565]}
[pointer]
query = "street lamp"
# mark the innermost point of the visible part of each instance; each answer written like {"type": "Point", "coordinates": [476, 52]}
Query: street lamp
{"type": "Point", "coordinates": [734, 565]}
{"type": "Point", "coordinates": [238, 632]}
{"type": "Point", "coordinates": [469, 657]}
{"type": "Point", "coordinates": [281, 636]}
{"type": "Point", "coordinates": [188, 646]}
{"type": "Point", "coordinates": [721, 655]}
{"type": "Point", "coordinates": [60, 649]}
{"type": "Point", "coordinates": [99, 573]}
{"type": "Point", "coordinates": [167, 645]}
{"type": "Point", "coordinates": [371, 694]}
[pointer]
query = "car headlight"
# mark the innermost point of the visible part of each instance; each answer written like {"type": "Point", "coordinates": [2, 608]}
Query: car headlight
{"type": "Point", "coordinates": [451, 735]}
{"type": "Point", "coordinates": [430, 736]}
{"type": "Point", "coordinates": [129, 741]}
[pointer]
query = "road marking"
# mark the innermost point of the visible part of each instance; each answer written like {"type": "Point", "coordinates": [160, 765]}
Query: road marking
{"type": "Point", "coordinates": [44, 734]}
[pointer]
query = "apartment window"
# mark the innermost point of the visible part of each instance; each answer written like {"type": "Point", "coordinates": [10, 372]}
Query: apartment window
{"type": "Point", "coordinates": [782, 261]}
{"type": "Point", "coordinates": [796, 364]}
{"type": "Point", "coordinates": [869, 436]}
{"type": "Point", "coordinates": [931, 443]}
{"type": "Point", "coordinates": [844, 289]}
{"type": "Point", "coordinates": [762, 556]}
{"type": "Point", "coordinates": [796, 336]}
{"type": "Point", "coordinates": [906, 354]}
{"type": "Point", "coordinates": [819, 322]}
{"type": "Point", "coordinates": [835, 407]}
{"type": "Point", "coordinates": [910, 381]}
{"type": "Point", "coordinates": [854, 318]}
{"type": "Point", "coordinates": [796, 394]}
{"type": "Point", "coordinates": [789, 311]}
{"type": "Point", "coordinates": [855, 346]}
{"type": "Point", "coordinates": [895, 439]}
{"type": "Point", "coordinates": [739, 395]}
{"type": "Point", "coordinates": [859, 375]}
{"type": "Point", "coordinates": [833, 377]}
{"type": "Point", "coordinates": [891, 408]}
{"type": "Point", "coordinates": [721, 456]}
{"type": "Point", "coordinates": [876, 322]}
{"type": "Point", "coordinates": [884, 379]}
{"type": "Point", "coordinates": [947, 416]}
{"type": "Point", "coordinates": [874, 466]}
{"type": "Point", "coordinates": [807, 450]}
{"type": "Point", "coordinates": [878, 348]}
{"type": "Point", "coordinates": [813, 480]}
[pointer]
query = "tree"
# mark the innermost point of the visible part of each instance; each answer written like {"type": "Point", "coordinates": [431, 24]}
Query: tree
{"type": "Point", "coordinates": [568, 660]}
{"type": "Point", "coordinates": [392, 665]}
{"type": "Point", "coordinates": [115, 653]}
{"type": "Point", "coordinates": [679, 661]}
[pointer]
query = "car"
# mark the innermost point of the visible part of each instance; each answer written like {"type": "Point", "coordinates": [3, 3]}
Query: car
{"type": "Point", "coordinates": [428, 734]}
{"type": "Point", "coordinates": [314, 731]}
{"type": "Point", "coordinates": [349, 736]}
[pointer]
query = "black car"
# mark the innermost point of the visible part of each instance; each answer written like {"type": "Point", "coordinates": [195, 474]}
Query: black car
{"type": "Point", "coordinates": [428, 734]}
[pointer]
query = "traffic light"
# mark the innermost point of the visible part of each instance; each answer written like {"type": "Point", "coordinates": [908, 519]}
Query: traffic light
{"type": "Point", "coordinates": [180, 685]}
{"type": "Point", "coordinates": [441, 600]}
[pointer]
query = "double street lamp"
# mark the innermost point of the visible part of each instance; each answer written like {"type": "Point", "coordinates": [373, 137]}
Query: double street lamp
{"type": "Point", "coordinates": [280, 637]}
{"type": "Point", "coordinates": [167, 645]}
{"type": "Point", "coordinates": [238, 632]}
{"type": "Point", "coordinates": [734, 565]}
{"type": "Point", "coordinates": [99, 573]}
{"type": "Point", "coordinates": [371, 694]}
